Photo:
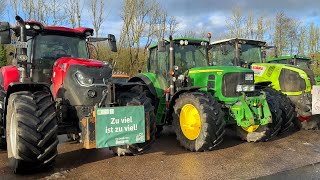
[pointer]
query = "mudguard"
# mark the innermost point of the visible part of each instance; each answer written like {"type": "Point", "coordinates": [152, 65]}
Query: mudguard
{"type": "Point", "coordinates": [8, 75]}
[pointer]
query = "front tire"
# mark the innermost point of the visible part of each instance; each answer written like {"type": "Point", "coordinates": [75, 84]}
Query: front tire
{"type": "Point", "coordinates": [287, 108]}
{"type": "Point", "coordinates": [31, 131]}
{"type": "Point", "coordinates": [134, 97]}
{"type": "Point", "coordinates": [198, 121]}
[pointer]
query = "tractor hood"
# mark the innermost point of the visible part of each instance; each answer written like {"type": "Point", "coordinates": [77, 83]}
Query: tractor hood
{"type": "Point", "coordinates": [76, 72]}
{"type": "Point", "coordinates": [224, 80]}
{"type": "Point", "coordinates": [79, 61]}
{"type": "Point", "coordinates": [217, 69]}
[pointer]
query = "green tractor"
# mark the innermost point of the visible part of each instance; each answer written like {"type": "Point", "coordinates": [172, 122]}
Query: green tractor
{"type": "Point", "coordinates": [300, 61]}
{"type": "Point", "coordinates": [291, 84]}
{"type": "Point", "coordinates": [200, 100]}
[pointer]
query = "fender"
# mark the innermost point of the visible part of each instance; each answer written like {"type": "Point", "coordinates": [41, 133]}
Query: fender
{"type": "Point", "coordinates": [8, 75]}
{"type": "Point", "coordinates": [18, 86]}
{"type": "Point", "coordinates": [143, 78]}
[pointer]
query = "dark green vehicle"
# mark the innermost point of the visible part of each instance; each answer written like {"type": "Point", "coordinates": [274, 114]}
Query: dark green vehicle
{"type": "Point", "coordinates": [200, 100]}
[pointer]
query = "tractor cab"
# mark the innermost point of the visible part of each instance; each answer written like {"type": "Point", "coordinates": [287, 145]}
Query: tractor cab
{"type": "Point", "coordinates": [236, 52]}
{"type": "Point", "coordinates": [38, 47]}
{"type": "Point", "coordinates": [188, 53]}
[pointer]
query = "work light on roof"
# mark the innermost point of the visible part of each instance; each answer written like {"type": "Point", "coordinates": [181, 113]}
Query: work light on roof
{"type": "Point", "coordinates": [203, 43]}
{"type": "Point", "coordinates": [184, 42]}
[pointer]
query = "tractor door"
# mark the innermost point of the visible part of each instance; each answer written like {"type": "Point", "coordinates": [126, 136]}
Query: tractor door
{"type": "Point", "coordinates": [159, 64]}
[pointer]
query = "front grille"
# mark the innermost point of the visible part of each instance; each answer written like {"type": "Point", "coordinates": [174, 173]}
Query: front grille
{"type": "Point", "coordinates": [230, 82]}
{"type": "Point", "coordinates": [290, 81]}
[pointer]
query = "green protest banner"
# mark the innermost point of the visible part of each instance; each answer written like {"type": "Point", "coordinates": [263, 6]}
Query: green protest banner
{"type": "Point", "coordinates": [116, 126]}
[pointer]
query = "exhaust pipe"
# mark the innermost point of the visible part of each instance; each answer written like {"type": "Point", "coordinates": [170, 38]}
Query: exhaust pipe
{"type": "Point", "coordinates": [23, 51]}
{"type": "Point", "coordinates": [23, 37]}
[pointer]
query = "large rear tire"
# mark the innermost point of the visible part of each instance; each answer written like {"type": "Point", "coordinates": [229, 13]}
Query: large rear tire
{"type": "Point", "coordinates": [3, 143]}
{"type": "Point", "coordinates": [136, 96]}
{"type": "Point", "coordinates": [31, 131]}
{"type": "Point", "coordinates": [265, 132]}
{"type": "Point", "coordinates": [198, 121]}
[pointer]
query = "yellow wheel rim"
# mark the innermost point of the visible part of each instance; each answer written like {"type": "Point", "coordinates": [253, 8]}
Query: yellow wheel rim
{"type": "Point", "coordinates": [190, 122]}
{"type": "Point", "coordinates": [251, 128]}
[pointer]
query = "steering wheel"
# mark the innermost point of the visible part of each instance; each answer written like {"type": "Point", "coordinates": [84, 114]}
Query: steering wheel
{"type": "Point", "coordinates": [58, 51]}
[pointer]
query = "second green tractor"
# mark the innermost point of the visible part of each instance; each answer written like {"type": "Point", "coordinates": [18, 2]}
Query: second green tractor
{"type": "Point", "coordinates": [200, 100]}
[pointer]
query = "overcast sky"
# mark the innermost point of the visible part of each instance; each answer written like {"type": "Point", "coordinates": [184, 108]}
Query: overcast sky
{"type": "Point", "coordinates": [194, 14]}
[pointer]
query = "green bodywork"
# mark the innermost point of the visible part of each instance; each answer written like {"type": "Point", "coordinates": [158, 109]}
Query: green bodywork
{"type": "Point", "coordinates": [247, 111]}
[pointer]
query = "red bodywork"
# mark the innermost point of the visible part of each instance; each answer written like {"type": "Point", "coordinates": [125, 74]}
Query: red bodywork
{"type": "Point", "coordinates": [62, 65]}
{"type": "Point", "coordinates": [9, 74]}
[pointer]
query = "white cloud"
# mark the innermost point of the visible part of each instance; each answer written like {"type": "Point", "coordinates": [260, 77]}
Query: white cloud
{"type": "Point", "coordinates": [218, 20]}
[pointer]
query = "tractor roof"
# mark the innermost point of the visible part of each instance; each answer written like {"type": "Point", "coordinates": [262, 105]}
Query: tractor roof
{"type": "Point", "coordinates": [288, 57]}
{"type": "Point", "coordinates": [190, 40]}
{"type": "Point", "coordinates": [82, 31]}
{"type": "Point", "coordinates": [250, 41]}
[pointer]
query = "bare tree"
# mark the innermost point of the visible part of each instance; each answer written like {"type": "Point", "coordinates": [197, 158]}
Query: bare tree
{"type": "Point", "coordinates": [262, 27]}
{"type": "Point", "coordinates": [188, 34]}
{"type": "Point", "coordinates": [313, 38]}
{"type": "Point", "coordinates": [249, 26]}
{"type": "Point", "coordinates": [143, 20]}
{"type": "Point", "coordinates": [172, 23]}
{"type": "Point", "coordinates": [14, 4]}
{"type": "Point", "coordinates": [97, 14]}
{"type": "Point", "coordinates": [302, 40]}
{"type": "Point", "coordinates": [74, 12]}
{"type": "Point", "coordinates": [235, 23]}
{"type": "Point", "coordinates": [56, 10]}
{"type": "Point", "coordinates": [284, 33]}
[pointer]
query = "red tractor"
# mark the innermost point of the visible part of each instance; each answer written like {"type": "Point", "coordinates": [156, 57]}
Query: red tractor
{"type": "Point", "coordinates": [53, 88]}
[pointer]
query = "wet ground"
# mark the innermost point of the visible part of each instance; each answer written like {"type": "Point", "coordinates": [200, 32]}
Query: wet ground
{"type": "Point", "coordinates": [234, 159]}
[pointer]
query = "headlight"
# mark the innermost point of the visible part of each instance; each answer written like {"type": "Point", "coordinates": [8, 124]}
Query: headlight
{"type": "Point", "coordinates": [248, 77]}
{"type": "Point", "coordinates": [245, 88]}
{"type": "Point", "coordinates": [83, 80]}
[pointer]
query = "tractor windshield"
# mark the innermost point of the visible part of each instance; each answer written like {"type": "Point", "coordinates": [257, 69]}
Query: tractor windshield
{"type": "Point", "coordinates": [250, 54]}
{"type": "Point", "coordinates": [284, 61]}
{"type": "Point", "coordinates": [190, 56]}
{"type": "Point", "coordinates": [225, 54]}
{"type": "Point", "coordinates": [303, 63]}
{"type": "Point", "coordinates": [49, 48]}
{"type": "Point", "coordinates": [222, 55]}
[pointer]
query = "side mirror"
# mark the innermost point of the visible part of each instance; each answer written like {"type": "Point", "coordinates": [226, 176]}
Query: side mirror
{"type": "Point", "coordinates": [162, 46]}
{"type": "Point", "coordinates": [5, 36]}
{"type": "Point", "coordinates": [112, 42]}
